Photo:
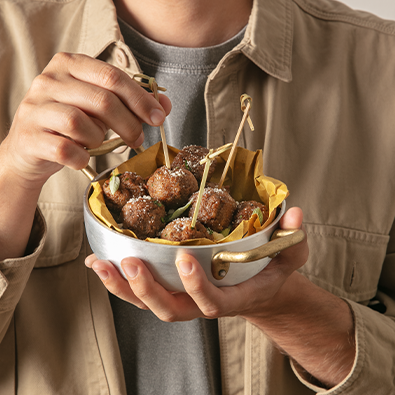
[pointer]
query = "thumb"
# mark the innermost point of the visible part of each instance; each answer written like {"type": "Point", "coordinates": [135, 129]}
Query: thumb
{"type": "Point", "coordinates": [292, 219]}
{"type": "Point", "coordinates": [297, 254]}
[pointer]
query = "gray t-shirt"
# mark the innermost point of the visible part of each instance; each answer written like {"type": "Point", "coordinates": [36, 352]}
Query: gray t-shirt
{"type": "Point", "coordinates": [181, 357]}
{"type": "Point", "coordinates": [183, 72]}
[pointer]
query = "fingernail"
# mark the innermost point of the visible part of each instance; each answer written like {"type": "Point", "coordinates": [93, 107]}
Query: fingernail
{"type": "Point", "coordinates": [157, 117]}
{"type": "Point", "coordinates": [185, 267]}
{"type": "Point", "coordinates": [103, 274]}
{"type": "Point", "coordinates": [130, 270]}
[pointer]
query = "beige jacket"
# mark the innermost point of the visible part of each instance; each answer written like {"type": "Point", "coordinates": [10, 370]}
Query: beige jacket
{"type": "Point", "coordinates": [322, 79]}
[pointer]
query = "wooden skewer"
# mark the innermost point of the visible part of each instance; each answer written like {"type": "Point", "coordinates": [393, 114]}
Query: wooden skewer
{"type": "Point", "coordinates": [246, 109]}
{"type": "Point", "coordinates": [154, 87]}
{"type": "Point", "coordinates": [201, 190]}
{"type": "Point", "coordinates": [243, 98]}
{"type": "Point", "coordinates": [207, 160]}
{"type": "Point", "coordinates": [148, 85]}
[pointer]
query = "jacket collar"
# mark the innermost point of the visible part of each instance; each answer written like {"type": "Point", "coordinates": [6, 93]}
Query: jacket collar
{"type": "Point", "coordinates": [269, 36]}
{"type": "Point", "coordinates": [99, 28]}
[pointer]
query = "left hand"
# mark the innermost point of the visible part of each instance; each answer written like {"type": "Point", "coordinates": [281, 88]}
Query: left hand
{"type": "Point", "coordinates": [202, 298]}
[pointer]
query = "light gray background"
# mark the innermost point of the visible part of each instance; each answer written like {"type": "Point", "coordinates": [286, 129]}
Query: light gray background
{"type": "Point", "coordinates": [383, 8]}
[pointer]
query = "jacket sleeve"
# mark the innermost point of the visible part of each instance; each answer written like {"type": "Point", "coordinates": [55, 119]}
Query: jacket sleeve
{"type": "Point", "coordinates": [14, 273]}
{"type": "Point", "coordinates": [374, 363]}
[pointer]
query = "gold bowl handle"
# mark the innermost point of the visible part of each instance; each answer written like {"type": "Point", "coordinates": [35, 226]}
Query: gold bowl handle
{"type": "Point", "coordinates": [105, 148]}
{"type": "Point", "coordinates": [280, 240]}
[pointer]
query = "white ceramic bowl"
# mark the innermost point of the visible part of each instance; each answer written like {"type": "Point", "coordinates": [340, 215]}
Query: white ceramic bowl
{"type": "Point", "coordinates": [111, 245]}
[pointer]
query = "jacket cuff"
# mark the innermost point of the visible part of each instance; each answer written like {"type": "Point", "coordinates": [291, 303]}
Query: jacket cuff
{"type": "Point", "coordinates": [374, 363]}
{"type": "Point", "coordinates": [11, 270]}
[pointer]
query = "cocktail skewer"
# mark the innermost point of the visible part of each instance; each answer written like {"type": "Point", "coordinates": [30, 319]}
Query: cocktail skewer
{"type": "Point", "coordinates": [246, 117]}
{"type": "Point", "coordinates": [153, 85]}
{"type": "Point", "coordinates": [207, 161]}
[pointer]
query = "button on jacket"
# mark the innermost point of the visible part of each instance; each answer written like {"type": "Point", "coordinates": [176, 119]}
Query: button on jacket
{"type": "Point", "coordinates": [322, 79]}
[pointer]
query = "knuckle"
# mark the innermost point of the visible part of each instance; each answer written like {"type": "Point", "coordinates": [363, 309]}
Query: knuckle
{"type": "Point", "coordinates": [60, 61]}
{"type": "Point", "coordinates": [62, 150]}
{"type": "Point", "coordinates": [142, 293]}
{"type": "Point", "coordinates": [62, 57]}
{"type": "Point", "coordinates": [168, 316]}
{"type": "Point", "coordinates": [103, 101]}
{"type": "Point", "coordinates": [66, 154]}
{"type": "Point", "coordinates": [42, 82]}
{"type": "Point", "coordinates": [110, 77]}
{"type": "Point", "coordinates": [211, 311]}
{"type": "Point", "coordinates": [71, 119]}
{"type": "Point", "coordinates": [195, 289]}
{"type": "Point", "coordinates": [24, 110]}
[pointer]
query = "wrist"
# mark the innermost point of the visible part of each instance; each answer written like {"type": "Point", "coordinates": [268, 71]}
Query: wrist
{"type": "Point", "coordinates": [18, 201]}
{"type": "Point", "coordinates": [299, 302]}
{"type": "Point", "coordinates": [314, 327]}
{"type": "Point", "coordinates": [13, 177]}
{"type": "Point", "coordinates": [18, 184]}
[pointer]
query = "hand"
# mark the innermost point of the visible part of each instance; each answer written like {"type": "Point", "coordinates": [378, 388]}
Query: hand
{"type": "Point", "coordinates": [69, 106]}
{"type": "Point", "coordinates": [202, 298]}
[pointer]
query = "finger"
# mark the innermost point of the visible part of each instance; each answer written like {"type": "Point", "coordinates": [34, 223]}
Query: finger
{"type": "Point", "coordinates": [115, 80]}
{"type": "Point", "coordinates": [115, 283]}
{"type": "Point", "coordinates": [296, 256]}
{"type": "Point", "coordinates": [292, 219]}
{"type": "Point", "coordinates": [165, 103]}
{"type": "Point", "coordinates": [246, 298]}
{"type": "Point", "coordinates": [212, 301]}
{"type": "Point", "coordinates": [68, 121]}
{"type": "Point", "coordinates": [95, 101]}
{"type": "Point", "coordinates": [89, 260]}
{"type": "Point", "coordinates": [55, 148]}
{"type": "Point", "coordinates": [167, 306]}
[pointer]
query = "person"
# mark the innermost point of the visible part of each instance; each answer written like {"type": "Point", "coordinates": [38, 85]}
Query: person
{"type": "Point", "coordinates": [319, 318]}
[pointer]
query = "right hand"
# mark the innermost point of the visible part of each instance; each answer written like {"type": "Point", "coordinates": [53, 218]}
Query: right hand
{"type": "Point", "coordinates": [69, 106]}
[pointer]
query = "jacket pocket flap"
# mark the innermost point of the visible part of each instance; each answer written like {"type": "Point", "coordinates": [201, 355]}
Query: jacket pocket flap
{"type": "Point", "coordinates": [344, 261]}
{"type": "Point", "coordinates": [65, 234]}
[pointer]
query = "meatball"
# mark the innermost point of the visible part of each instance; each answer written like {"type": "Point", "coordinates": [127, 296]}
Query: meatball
{"type": "Point", "coordinates": [180, 229]}
{"type": "Point", "coordinates": [130, 185]}
{"type": "Point", "coordinates": [216, 208]}
{"type": "Point", "coordinates": [173, 188]}
{"type": "Point", "coordinates": [245, 209]}
{"type": "Point", "coordinates": [189, 158]}
{"type": "Point", "coordinates": [144, 216]}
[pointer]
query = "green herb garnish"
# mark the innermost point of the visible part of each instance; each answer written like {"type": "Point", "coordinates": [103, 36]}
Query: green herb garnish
{"type": "Point", "coordinates": [115, 182]}
{"type": "Point", "coordinates": [258, 211]}
{"type": "Point", "coordinates": [178, 212]}
{"type": "Point", "coordinates": [226, 231]}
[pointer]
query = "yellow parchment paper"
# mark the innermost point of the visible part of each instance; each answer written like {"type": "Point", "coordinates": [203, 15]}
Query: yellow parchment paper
{"type": "Point", "coordinates": [245, 178]}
